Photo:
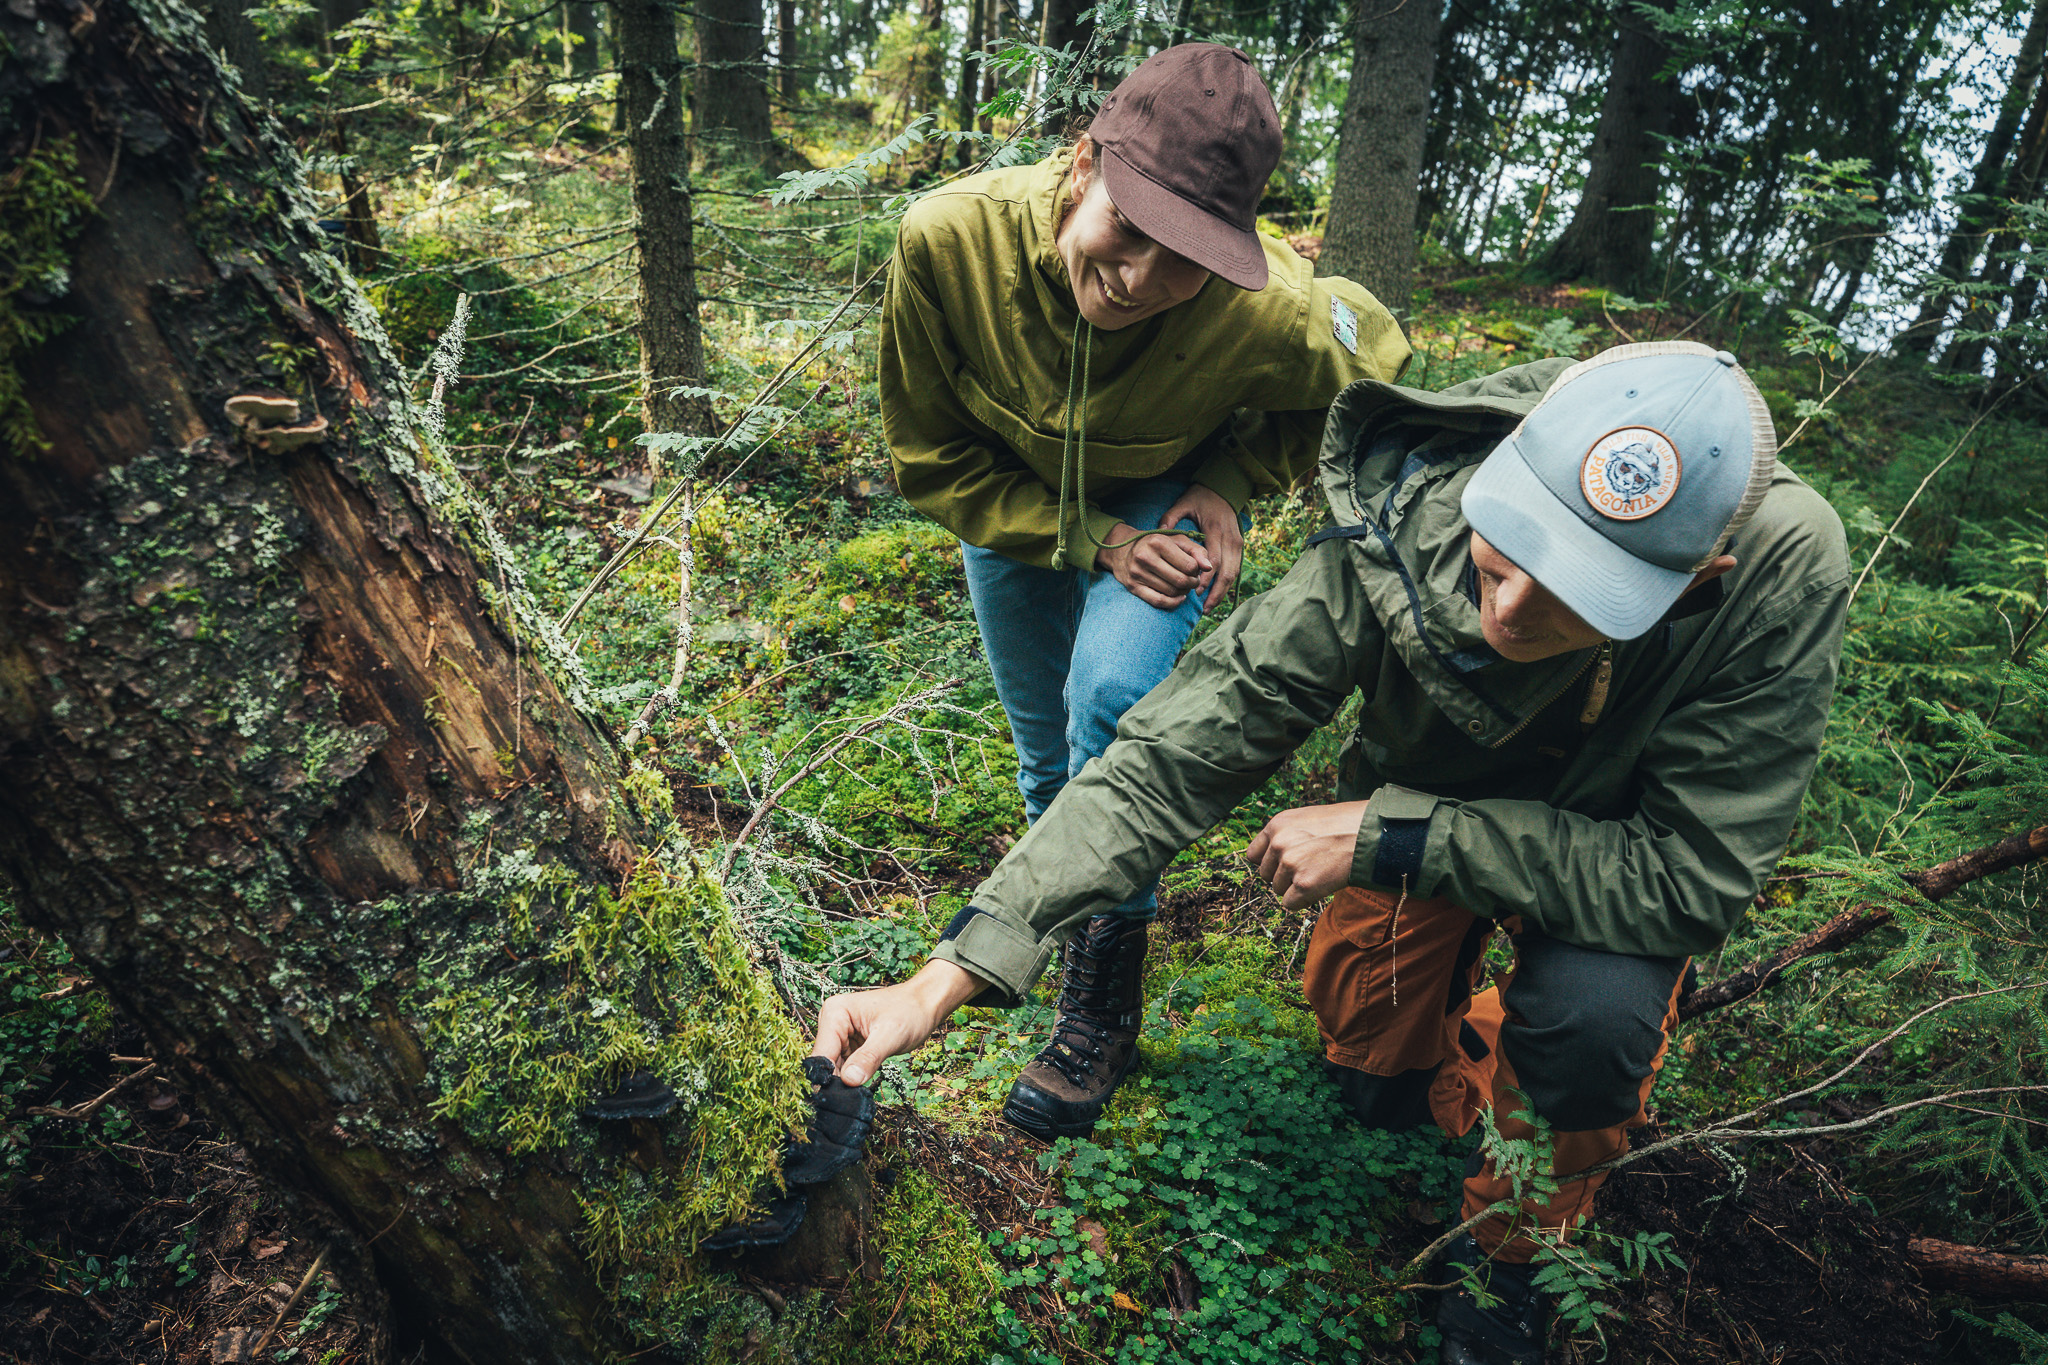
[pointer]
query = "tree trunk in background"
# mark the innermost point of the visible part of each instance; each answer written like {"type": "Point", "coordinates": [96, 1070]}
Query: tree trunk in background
{"type": "Point", "coordinates": [1975, 213]}
{"type": "Point", "coordinates": [650, 94]}
{"type": "Point", "coordinates": [1430, 205]}
{"type": "Point", "coordinates": [1371, 232]}
{"type": "Point", "coordinates": [364, 246]}
{"type": "Point", "coordinates": [786, 54]}
{"type": "Point", "coordinates": [229, 31]}
{"type": "Point", "coordinates": [269, 762]}
{"type": "Point", "coordinates": [1610, 236]}
{"type": "Point", "coordinates": [2001, 264]}
{"type": "Point", "coordinates": [335, 13]}
{"type": "Point", "coordinates": [579, 23]}
{"type": "Point", "coordinates": [979, 12]}
{"type": "Point", "coordinates": [733, 128]}
{"type": "Point", "coordinates": [1060, 27]}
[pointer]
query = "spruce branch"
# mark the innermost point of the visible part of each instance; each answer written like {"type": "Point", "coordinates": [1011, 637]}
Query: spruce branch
{"type": "Point", "coordinates": [1852, 924]}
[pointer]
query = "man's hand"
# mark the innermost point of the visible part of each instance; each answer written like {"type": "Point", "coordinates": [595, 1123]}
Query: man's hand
{"type": "Point", "coordinates": [1305, 853]}
{"type": "Point", "coordinates": [1221, 537]}
{"type": "Point", "coordinates": [1158, 570]}
{"type": "Point", "coordinates": [899, 1018]}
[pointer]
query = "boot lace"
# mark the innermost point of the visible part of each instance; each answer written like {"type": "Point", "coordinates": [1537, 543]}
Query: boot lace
{"type": "Point", "coordinates": [1077, 1044]}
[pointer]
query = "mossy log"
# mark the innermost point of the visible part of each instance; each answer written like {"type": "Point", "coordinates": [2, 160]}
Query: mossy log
{"type": "Point", "coordinates": [291, 761]}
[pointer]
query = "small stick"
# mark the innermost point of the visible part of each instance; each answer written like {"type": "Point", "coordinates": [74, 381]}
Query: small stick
{"type": "Point", "coordinates": [92, 1106]}
{"type": "Point", "coordinates": [297, 1294]}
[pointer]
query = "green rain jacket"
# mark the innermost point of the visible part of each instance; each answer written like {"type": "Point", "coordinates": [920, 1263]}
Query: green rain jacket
{"type": "Point", "coordinates": [1630, 797]}
{"type": "Point", "coordinates": [976, 337]}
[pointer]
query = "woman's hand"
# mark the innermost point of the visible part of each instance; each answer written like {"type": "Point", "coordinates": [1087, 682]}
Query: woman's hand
{"type": "Point", "coordinates": [1159, 570]}
{"type": "Point", "coordinates": [1221, 538]}
{"type": "Point", "coordinates": [882, 1023]}
{"type": "Point", "coordinates": [1305, 853]}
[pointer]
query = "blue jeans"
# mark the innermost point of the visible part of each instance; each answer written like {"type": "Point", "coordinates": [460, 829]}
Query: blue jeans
{"type": "Point", "coordinates": [1072, 651]}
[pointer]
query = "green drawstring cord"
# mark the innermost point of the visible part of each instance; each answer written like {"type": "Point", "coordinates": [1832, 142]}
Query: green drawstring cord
{"type": "Point", "coordinates": [1074, 447]}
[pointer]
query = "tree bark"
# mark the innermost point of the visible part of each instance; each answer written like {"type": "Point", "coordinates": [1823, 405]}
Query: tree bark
{"type": "Point", "coordinates": [1610, 236]}
{"type": "Point", "coordinates": [1979, 1273]}
{"type": "Point", "coordinates": [1371, 232]}
{"type": "Point", "coordinates": [1967, 238]}
{"type": "Point", "coordinates": [306, 799]}
{"type": "Point", "coordinates": [733, 128]}
{"type": "Point", "coordinates": [651, 99]}
{"type": "Point", "coordinates": [1852, 924]}
{"type": "Point", "coordinates": [786, 55]}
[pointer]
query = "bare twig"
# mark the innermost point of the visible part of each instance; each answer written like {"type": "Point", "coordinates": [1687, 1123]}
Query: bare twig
{"type": "Point", "coordinates": [1954, 451]}
{"type": "Point", "coordinates": [866, 727]}
{"type": "Point", "coordinates": [93, 1105]}
{"type": "Point", "coordinates": [666, 696]}
{"type": "Point", "coordinates": [297, 1294]}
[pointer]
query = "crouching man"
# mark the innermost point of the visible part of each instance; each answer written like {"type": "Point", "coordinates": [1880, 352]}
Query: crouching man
{"type": "Point", "coordinates": [1594, 625]}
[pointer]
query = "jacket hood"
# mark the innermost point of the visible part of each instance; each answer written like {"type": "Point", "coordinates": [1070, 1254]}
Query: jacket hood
{"type": "Point", "coordinates": [1365, 452]}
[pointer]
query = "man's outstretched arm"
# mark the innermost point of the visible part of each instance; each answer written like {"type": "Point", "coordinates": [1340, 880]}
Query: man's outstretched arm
{"type": "Point", "coordinates": [1229, 715]}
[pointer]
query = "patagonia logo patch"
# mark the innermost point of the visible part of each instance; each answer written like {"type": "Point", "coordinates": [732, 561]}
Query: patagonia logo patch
{"type": "Point", "coordinates": [1630, 473]}
{"type": "Point", "coordinates": [1344, 325]}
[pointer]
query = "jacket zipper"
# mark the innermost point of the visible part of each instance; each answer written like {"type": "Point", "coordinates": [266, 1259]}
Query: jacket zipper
{"type": "Point", "coordinates": [1569, 684]}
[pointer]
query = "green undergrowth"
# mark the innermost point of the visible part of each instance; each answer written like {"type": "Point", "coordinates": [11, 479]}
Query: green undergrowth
{"type": "Point", "coordinates": [51, 1015]}
{"type": "Point", "coordinates": [935, 1300]}
{"type": "Point", "coordinates": [655, 978]}
{"type": "Point", "coordinates": [1229, 1164]}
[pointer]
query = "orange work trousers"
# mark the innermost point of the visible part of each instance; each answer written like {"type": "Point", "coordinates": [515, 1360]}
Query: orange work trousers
{"type": "Point", "coordinates": [1394, 983]}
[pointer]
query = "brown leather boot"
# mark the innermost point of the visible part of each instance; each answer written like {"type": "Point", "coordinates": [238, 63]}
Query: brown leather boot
{"type": "Point", "coordinates": [1095, 1036]}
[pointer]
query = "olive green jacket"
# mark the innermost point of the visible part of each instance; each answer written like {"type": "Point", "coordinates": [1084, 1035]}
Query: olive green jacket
{"type": "Point", "coordinates": [977, 332]}
{"type": "Point", "coordinates": [1638, 818]}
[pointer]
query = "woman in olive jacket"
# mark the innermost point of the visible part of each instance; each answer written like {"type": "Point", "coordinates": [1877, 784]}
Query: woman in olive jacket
{"type": "Point", "coordinates": [1089, 367]}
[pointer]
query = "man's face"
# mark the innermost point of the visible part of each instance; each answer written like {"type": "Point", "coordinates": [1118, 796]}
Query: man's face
{"type": "Point", "coordinates": [1518, 616]}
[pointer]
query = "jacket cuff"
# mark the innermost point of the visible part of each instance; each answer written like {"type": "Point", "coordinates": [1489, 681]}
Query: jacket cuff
{"type": "Point", "coordinates": [1006, 957]}
{"type": "Point", "coordinates": [1393, 839]}
{"type": "Point", "coordinates": [1080, 547]}
{"type": "Point", "coordinates": [1221, 475]}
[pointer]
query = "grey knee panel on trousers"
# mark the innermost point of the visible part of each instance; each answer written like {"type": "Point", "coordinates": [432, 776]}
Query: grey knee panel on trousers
{"type": "Point", "coordinates": [1583, 1028]}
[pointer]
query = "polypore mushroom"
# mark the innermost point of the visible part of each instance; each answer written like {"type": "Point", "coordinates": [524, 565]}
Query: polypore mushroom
{"type": "Point", "coordinates": [254, 411]}
{"type": "Point", "coordinates": [284, 438]}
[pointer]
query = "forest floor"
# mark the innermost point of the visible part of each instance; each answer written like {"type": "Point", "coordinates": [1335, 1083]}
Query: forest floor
{"type": "Point", "coordinates": [1227, 1210]}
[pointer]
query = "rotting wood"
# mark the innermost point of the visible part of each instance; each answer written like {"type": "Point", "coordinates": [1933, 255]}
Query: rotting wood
{"type": "Point", "coordinates": [1979, 1273]}
{"type": "Point", "coordinates": [261, 735]}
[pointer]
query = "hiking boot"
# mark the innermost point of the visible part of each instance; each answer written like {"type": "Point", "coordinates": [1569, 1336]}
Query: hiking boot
{"type": "Point", "coordinates": [842, 1115]}
{"type": "Point", "coordinates": [1510, 1331]}
{"type": "Point", "coordinates": [1094, 1038]}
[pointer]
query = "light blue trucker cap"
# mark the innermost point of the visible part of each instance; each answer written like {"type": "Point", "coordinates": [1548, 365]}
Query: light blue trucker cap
{"type": "Point", "coordinates": [1629, 475]}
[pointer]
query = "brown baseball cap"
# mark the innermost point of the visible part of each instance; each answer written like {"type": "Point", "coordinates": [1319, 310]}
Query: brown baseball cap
{"type": "Point", "coordinates": [1185, 145]}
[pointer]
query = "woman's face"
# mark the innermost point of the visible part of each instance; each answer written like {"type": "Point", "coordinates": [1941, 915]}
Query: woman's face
{"type": "Point", "coordinates": [1120, 275]}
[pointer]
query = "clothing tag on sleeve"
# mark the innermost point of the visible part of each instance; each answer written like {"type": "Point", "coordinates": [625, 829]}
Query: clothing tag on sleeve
{"type": "Point", "coordinates": [1344, 323]}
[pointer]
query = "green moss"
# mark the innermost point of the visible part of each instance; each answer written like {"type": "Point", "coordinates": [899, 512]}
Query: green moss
{"type": "Point", "coordinates": [43, 208]}
{"type": "Point", "coordinates": [933, 1303]}
{"type": "Point", "coordinates": [595, 987]}
{"type": "Point", "coordinates": [872, 587]}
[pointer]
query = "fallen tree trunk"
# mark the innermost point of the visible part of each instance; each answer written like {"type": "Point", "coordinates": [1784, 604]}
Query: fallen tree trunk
{"type": "Point", "coordinates": [293, 764]}
{"type": "Point", "coordinates": [1979, 1273]}
{"type": "Point", "coordinates": [1852, 924]}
